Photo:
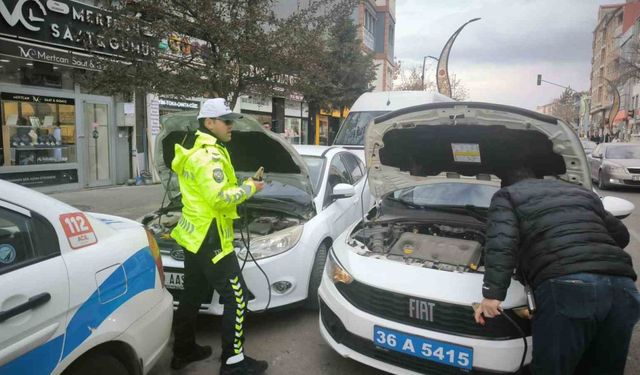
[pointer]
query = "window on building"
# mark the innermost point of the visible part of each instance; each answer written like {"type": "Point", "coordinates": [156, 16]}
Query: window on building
{"type": "Point", "coordinates": [369, 21]}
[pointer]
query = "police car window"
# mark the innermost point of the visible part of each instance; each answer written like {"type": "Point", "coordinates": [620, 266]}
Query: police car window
{"type": "Point", "coordinates": [351, 162]}
{"type": "Point", "coordinates": [25, 240]}
{"type": "Point", "coordinates": [15, 240]}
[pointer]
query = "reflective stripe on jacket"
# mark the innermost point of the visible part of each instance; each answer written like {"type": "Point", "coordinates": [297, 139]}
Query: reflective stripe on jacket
{"type": "Point", "coordinates": [209, 191]}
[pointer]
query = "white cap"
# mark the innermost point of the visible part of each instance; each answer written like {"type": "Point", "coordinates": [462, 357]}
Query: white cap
{"type": "Point", "coordinates": [217, 108]}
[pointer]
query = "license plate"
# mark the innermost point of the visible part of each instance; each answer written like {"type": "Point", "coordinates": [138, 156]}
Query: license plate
{"type": "Point", "coordinates": [173, 280]}
{"type": "Point", "coordinates": [421, 347]}
{"type": "Point", "coordinates": [635, 178]}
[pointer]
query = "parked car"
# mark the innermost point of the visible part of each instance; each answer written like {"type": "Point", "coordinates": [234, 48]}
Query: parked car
{"type": "Point", "coordinates": [82, 292]}
{"type": "Point", "coordinates": [310, 197]}
{"type": "Point", "coordinates": [373, 104]}
{"type": "Point", "coordinates": [588, 146]}
{"type": "Point", "coordinates": [616, 164]}
{"type": "Point", "coordinates": [399, 286]}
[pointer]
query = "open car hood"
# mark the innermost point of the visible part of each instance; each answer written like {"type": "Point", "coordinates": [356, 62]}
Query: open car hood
{"type": "Point", "coordinates": [251, 147]}
{"type": "Point", "coordinates": [458, 140]}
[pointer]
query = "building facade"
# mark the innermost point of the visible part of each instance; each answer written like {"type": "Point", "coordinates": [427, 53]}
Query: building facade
{"type": "Point", "coordinates": [376, 20]}
{"type": "Point", "coordinates": [56, 133]}
{"type": "Point", "coordinates": [614, 36]}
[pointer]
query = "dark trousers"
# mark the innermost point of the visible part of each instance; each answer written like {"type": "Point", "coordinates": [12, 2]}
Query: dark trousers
{"type": "Point", "coordinates": [225, 277]}
{"type": "Point", "coordinates": [583, 324]}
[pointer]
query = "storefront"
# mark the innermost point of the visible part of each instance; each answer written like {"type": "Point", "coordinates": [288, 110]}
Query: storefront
{"type": "Point", "coordinates": [327, 125]}
{"type": "Point", "coordinates": [296, 112]}
{"type": "Point", "coordinates": [55, 134]}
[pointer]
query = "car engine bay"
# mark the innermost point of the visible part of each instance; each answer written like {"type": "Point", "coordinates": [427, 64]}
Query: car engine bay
{"type": "Point", "coordinates": [448, 247]}
{"type": "Point", "coordinates": [260, 222]}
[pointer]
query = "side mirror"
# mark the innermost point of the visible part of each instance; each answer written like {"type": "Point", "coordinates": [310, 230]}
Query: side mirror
{"type": "Point", "coordinates": [341, 191]}
{"type": "Point", "coordinates": [618, 207]}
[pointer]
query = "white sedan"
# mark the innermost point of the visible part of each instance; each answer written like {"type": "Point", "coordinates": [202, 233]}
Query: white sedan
{"type": "Point", "coordinates": [312, 194]}
{"type": "Point", "coordinates": [81, 292]}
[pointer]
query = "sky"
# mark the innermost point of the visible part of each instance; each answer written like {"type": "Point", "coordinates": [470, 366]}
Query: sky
{"type": "Point", "coordinates": [499, 57]}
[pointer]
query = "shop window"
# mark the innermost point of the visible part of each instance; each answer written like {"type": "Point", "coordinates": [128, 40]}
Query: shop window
{"type": "Point", "coordinates": [323, 132]}
{"type": "Point", "coordinates": [37, 130]}
{"type": "Point", "coordinates": [293, 130]}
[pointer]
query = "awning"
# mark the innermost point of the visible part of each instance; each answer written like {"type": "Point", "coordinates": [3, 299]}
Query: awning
{"type": "Point", "coordinates": [620, 116]}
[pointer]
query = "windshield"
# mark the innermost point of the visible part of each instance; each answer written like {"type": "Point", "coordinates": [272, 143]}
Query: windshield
{"type": "Point", "coordinates": [314, 164]}
{"type": "Point", "coordinates": [623, 152]}
{"type": "Point", "coordinates": [448, 194]}
{"type": "Point", "coordinates": [354, 126]}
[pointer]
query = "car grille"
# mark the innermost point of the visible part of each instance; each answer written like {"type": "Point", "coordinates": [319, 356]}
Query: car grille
{"type": "Point", "coordinates": [447, 317]}
{"type": "Point", "coordinates": [631, 182]}
{"type": "Point", "coordinates": [366, 347]}
{"type": "Point", "coordinates": [633, 170]}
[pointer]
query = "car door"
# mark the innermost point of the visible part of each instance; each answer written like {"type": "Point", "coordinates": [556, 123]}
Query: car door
{"type": "Point", "coordinates": [34, 296]}
{"type": "Point", "coordinates": [360, 201]}
{"type": "Point", "coordinates": [595, 161]}
{"type": "Point", "coordinates": [338, 211]}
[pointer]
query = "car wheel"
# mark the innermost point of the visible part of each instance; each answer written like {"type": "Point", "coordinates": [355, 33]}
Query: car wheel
{"type": "Point", "coordinates": [601, 184]}
{"type": "Point", "coordinates": [316, 277]}
{"type": "Point", "coordinates": [97, 364]}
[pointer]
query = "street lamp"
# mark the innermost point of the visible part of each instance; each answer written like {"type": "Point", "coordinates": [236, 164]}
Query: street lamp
{"type": "Point", "coordinates": [424, 60]}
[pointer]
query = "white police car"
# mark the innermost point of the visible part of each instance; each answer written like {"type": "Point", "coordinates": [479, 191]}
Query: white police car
{"type": "Point", "coordinates": [80, 292]}
{"type": "Point", "coordinates": [399, 288]}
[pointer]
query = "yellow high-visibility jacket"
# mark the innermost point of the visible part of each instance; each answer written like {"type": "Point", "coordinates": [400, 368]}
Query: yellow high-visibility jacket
{"type": "Point", "coordinates": [209, 191]}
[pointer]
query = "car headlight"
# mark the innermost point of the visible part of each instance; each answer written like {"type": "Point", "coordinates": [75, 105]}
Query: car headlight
{"type": "Point", "coordinates": [336, 272]}
{"type": "Point", "coordinates": [273, 244]}
{"type": "Point", "coordinates": [615, 169]}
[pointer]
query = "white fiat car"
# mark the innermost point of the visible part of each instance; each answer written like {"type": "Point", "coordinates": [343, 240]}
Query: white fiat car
{"type": "Point", "coordinates": [399, 287]}
{"type": "Point", "coordinates": [82, 293]}
{"type": "Point", "coordinates": [310, 197]}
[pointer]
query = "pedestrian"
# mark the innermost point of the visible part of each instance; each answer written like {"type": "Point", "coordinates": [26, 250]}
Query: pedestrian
{"type": "Point", "coordinates": [568, 249]}
{"type": "Point", "coordinates": [210, 195]}
{"type": "Point", "coordinates": [266, 125]}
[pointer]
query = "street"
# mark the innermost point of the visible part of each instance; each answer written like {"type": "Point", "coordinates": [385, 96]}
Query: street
{"type": "Point", "coordinates": [289, 340]}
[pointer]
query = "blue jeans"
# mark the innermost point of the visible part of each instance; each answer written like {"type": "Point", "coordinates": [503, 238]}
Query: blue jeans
{"type": "Point", "coordinates": [583, 324]}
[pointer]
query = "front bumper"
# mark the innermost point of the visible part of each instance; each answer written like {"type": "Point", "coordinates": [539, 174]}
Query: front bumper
{"type": "Point", "coordinates": [349, 331]}
{"type": "Point", "coordinates": [621, 179]}
{"type": "Point", "coordinates": [290, 268]}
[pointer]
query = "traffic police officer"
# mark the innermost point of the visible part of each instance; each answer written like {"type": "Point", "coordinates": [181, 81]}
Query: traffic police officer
{"type": "Point", "coordinates": [210, 195]}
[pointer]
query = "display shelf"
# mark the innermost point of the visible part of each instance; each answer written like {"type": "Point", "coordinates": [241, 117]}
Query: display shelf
{"type": "Point", "coordinates": [37, 127]}
{"type": "Point", "coordinates": [31, 148]}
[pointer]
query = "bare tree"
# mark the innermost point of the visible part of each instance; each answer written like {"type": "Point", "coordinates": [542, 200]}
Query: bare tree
{"type": "Point", "coordinates": [458, 90]}
{"type": "Point", "coordinates": [411, 80]}
{"type": "Point", "coordinates": [629, 63]}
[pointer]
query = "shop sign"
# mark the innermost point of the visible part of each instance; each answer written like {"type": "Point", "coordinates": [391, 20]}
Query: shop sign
{"type": "Point", "coordinates": [49, 55]}
{"type": "Point", "coordinates": [42, 178]}
{"type": "Point", "coordinates": [172, 103]}
{"type": "Point", "coordinates": [36, 98]}
{"type": "Point", "coordinates": [65, 23]}
{"type": "Point", "coordinates": [153, 114]}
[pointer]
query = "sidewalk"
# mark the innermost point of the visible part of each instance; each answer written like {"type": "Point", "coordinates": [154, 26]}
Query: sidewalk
{"type": "Point", "coordinates": [127, 201]}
